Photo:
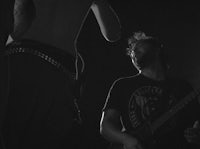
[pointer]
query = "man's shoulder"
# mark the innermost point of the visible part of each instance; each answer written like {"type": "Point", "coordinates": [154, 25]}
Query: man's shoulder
{"type": "Point", "coordinates": [181, 87]}
{"type": "Point", "coordinates": [125, 80]}
{"type": "Point", "coordinates": [181, 82]}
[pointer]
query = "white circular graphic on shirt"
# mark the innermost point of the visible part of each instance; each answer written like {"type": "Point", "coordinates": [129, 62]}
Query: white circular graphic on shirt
{"type": "Point", "coordinates": [143, 103]}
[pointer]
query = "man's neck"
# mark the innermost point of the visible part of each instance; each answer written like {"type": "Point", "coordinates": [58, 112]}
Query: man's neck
{"type": "Point", "coordinates": [154, 72]}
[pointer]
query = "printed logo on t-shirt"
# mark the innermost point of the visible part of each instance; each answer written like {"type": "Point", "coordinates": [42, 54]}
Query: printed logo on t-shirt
{"type": "Point", "coordinates": [143, 103]}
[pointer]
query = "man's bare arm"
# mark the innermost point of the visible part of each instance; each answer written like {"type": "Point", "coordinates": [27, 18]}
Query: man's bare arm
{"type": "Point", "coordinates": [110, 126]}
{"type": "Point", "coordinates": [107, 19]}
{"type": "Point", "coordinates": [24, 13]}
{"type": "Point", "coordinates": [111, 129]}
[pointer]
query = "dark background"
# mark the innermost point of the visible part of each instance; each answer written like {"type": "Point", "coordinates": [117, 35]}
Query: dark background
{"type": "Point", "coordinates": [176, 24]}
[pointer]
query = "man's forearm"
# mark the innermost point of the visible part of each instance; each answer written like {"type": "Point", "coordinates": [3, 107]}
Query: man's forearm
{"type": "Point", "coordinates": [107, 19]}
{"type": "Point", "coordinates": [113, 133]}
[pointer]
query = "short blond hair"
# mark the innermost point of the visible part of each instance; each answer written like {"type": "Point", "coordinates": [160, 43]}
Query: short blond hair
{"type": "Point", "coordinates": [134, 39]}
{"type": "Point", "coordinates": [140, 39]}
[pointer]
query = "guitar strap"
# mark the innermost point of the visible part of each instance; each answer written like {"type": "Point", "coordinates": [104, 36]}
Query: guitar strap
{"type": "Point", "coordinates": [173, 110]}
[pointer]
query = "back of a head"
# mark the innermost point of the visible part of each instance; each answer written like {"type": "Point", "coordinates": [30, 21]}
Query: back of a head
{"type": "Point", "coordinates": [149, 47]}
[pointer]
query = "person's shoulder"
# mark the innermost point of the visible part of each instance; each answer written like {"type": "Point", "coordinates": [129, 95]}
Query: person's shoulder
{"type": "Point", "coordinates": [181, 83]}
{"type": "Point", "coordinates": [125, 80]}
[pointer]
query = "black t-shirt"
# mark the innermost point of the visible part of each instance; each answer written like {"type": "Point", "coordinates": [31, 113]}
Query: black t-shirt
{"type": "Point", "coordinates": [141, 100]}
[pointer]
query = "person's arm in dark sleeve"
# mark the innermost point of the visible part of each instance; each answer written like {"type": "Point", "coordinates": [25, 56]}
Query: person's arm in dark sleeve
{"type": "Point", "coordinates": [107, 19]}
